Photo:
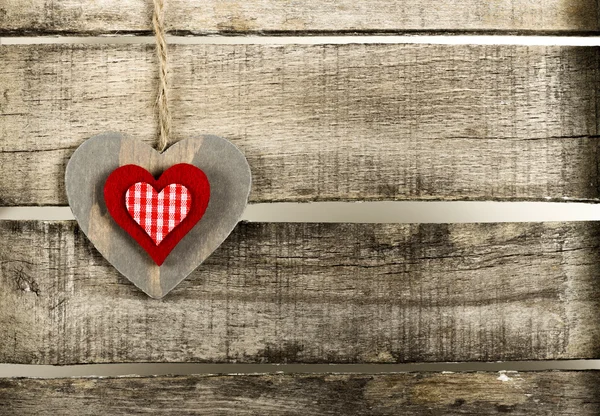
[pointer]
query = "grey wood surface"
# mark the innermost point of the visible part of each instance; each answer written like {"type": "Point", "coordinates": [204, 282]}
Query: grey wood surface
{"type": "Point", "coordinates": [19, 17]}
{"type": "Point", "coordinates": [230, 180]}
{"type": "Point", "coordinates": [311, 293]}
{"type": "Point", "coordinates": [531, 394]}
{"type": "Point", "coordinates": [320, 122]}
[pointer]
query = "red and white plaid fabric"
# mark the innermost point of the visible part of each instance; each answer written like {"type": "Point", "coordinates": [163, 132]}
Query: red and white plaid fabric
{"type": "Point", "coordinates": [158, 213]}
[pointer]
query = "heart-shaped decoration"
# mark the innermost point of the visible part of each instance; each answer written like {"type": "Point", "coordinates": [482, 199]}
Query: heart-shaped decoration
{"type": "Point", "coordinates": [131, 197]}
{"type": "Point", "coordinates": [148, 208]}
{"type": "Point", "coordinates": [228, 182]}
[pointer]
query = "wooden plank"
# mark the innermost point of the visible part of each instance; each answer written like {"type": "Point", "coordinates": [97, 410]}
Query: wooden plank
{"type": "Point", "coordinates": [535, 393]}
{"type": "Point", "coordinates": [320, 122]}
{"type": "Point", "coordinates": [268, 16]}
{"type": "Point", "coordinates": [311, 293]}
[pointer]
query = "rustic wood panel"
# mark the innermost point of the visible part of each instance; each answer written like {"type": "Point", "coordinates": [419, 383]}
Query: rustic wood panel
{"type": "Point", "coordinates": [536, 393]}
{"type": "Point", "coordinates": [311, 293]}
{"type": "Point", "coordinates": [272, 16]}
{"type": "Point", "coordinates": [320, 122]}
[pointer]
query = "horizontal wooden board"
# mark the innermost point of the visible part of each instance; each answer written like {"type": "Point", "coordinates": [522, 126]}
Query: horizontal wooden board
{"type": "Point", "coordinates": [259, 16]}
{"type": "Point", "coordinates": [536, 393]}
{"type": "Point", "coordinates": [311, 293]}
{"type": "Point", "coordinates": [320, 122]}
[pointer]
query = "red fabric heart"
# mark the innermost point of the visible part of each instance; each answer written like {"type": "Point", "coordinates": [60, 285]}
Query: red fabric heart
{"type": "Point", "coordinates": [188, 176]}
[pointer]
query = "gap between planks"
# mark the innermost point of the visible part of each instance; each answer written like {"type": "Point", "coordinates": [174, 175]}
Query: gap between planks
{"type": "Point", "coordinates": [182, 369]}
{"type": "Point", "coordinates": [403, 212]}
{"type": "Point", "coordinates": [525, 40]}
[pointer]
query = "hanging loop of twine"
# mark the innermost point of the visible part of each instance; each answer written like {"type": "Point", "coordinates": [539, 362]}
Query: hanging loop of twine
{"type": "Point", "coordinates": [162, 99]}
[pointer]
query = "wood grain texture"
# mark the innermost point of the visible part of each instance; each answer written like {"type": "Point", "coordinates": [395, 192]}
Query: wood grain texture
{"type": "Point", "coordinates": [320, 122]}
{"type": "Point", "coordinates": [311, 293]}
{"type": "Point", "coordinates": [536, 393]}
{"type": "Point", "coordinates": [276, 16]}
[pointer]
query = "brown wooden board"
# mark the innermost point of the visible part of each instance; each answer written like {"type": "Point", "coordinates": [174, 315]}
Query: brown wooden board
{"type": "Point", "coordinates": [320, 122]}
{"type": "Point", "coordinates": [311, 293]}
{"type": "Point", "coordinates": [18, 17]}
{"type": "Point", "coordinates": [536, 393]}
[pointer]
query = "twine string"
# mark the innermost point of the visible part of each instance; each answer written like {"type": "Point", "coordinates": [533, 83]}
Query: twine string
{"type": "Point", "coordinates": [162, 99]}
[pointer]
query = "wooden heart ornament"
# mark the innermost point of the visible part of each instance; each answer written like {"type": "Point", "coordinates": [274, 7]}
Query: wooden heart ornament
{"type": "Point", "coordinates": [156, 217]}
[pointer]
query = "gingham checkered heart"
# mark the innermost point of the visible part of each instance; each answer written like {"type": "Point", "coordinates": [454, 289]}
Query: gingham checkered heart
{"type": "Point", "coordinates": [158, 212]}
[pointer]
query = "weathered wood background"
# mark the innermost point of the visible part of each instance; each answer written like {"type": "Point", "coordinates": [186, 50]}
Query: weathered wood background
{"type": "Point", "coordinates": [350, 122]}
{"type": "Point", "coordinates": [311, 293]}
{"type": "Point", "coordinates": [531, 394]}
{"type": "Point", "coordinates": [320, 122]}
{"type": "Point", "coordinates": [18, 17]}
